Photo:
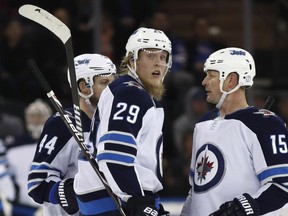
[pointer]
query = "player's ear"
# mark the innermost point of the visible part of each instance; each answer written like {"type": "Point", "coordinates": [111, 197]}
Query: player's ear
{"type": "Point", "coordinates": [131, 61]}
{"type": "Point", "coordinates": [84, 87]}
{"type": "Point", "coordinates": [235, 78]}
{"type": "Point", "coordinates": [230, 82]}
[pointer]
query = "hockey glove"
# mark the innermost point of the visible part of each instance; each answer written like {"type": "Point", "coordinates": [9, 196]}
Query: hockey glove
{"type": "Point", "coordinates": [239, 206]}
{"type": "Point", "coordinates": [65, 196]}
{"type": "Point", "coordinates": [141, 206]}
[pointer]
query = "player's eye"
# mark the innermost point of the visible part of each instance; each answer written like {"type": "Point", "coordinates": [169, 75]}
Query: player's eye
{"type": "Point", "coordinates": [151, 56]}
{"type": "Point", "coordinates": [163, 58]}
{"type": "Point", "coordinates": [104, 82]}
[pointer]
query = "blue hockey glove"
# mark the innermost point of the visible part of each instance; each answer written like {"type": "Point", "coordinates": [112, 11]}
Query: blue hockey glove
{"type": "Point", "coordinates": [141, 206]}
{"type": "Point", "coordinates": [239, 206]}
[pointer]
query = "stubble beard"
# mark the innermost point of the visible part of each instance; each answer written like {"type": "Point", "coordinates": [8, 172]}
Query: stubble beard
{"type": "Point", "coordinates": [156, 90]}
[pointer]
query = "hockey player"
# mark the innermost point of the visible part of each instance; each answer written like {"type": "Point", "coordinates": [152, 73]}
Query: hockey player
{"type": "Point", "coordinates": [7, 189]}
{"type": "Point", "coordinates": [19, 156]}
{"type": "Point", "coordinates": [129, 135]}
{"type": "Point", "coordinates": [50, 180]}
{"type": "Point", "coordinates": [239, 160]}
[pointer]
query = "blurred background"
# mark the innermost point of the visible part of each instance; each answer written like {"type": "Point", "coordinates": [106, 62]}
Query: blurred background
{"type": "Point", "coordinates": [196, 28]}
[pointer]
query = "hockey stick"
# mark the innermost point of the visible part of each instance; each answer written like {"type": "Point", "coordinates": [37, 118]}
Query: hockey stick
{"type": "Point", "coordinates": [75, 133]}
{"type": "Point", "coordinates": [268, 103]}
{"type": "Point", "coordinates": [59, 29]}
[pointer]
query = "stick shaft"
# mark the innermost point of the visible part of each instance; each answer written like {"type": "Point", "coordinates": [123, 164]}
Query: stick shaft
{"type": "Point", "coordinates": [74, 88]}
{"type": "Point", "coordinates": [269, 102]}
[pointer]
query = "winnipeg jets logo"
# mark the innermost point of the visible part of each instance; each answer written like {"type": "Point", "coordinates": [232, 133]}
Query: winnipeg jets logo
{"type": "Point", "coordinates": [82, 61]}
{"type": "Point", "coordinates": [203, 167]}
{"type": "Point", "coordinates": [209, 167]}
{"type": "Point", "coordinates": [237, 52]}
{"type": "Point", "coordinates": [135, 84]}
{"type": "Point", "coordinates": [265, 113]}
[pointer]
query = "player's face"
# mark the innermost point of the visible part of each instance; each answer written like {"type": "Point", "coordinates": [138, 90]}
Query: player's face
{"type": "Point", "coordinates": [151, 69]}
{"type": "Point", "coordinates": [34, 124]}
{"type": "Point", "coordinates": [212, 86]}
{"type": "Point", "coordinates": [100, 84]}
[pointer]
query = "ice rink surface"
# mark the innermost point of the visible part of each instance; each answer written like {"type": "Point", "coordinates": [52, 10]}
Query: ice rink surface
{"type": "Point", "coordinates": [173, 204]}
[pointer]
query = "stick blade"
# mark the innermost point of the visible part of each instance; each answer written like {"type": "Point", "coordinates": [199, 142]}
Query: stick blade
{"type": "Point", "coordinates": [47, 20]}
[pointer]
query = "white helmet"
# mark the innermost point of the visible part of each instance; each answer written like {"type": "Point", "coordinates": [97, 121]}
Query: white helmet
{"type": "Point", "coordinates": [232, 59]}
{"type": "Point", "coordinates": [38, 107]}
{"type": "Point", "coordinates": [89, 65]}
{"type": "Point", "coordinates": [148, 38]}
{"type": "Point", "coordinates": [228, 60]}
{"type": "Point", "coordinates": [36, 114]}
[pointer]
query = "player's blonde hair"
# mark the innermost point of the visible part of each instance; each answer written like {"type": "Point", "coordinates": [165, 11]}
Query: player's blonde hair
{"type": "Point", "coordinates": [123, 69]}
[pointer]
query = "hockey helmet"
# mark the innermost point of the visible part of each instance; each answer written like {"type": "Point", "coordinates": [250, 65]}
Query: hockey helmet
{"type": "Point", "coordinates": [232, 59]}
{"type": "Point", "coordinates": [38, 107]}
{"type": "Point", "coordinates": [89, 65]}
{"type": "Point", "coordinates": [36, 114]}
{"type": "Point", "coordinates": [148, 38]}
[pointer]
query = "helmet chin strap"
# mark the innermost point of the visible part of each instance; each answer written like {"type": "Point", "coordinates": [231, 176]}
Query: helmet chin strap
{"type": "Point", "coordinates": [132, 72]}
{"type": "Point", "coordinates": [87, 98]}
{"type": "Point", "coordinates": [220, 102]}
{"type": "Point", "coordinates": [224, 93]}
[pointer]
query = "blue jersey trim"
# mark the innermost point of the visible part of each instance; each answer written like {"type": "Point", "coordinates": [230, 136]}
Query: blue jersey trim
{"type": "Point", "coordinates": [97, 206]}
{"type": "Point", "coordinates": [42, 167]}
{"type": "Point", "coordinates": [115, 157]}
{"type": "Point", "coordinates": [31, 184]}
{"type": "Point", "coordinates": [5, 174]}
{"type": "Point", "coordinates": [118, 137]}
{"type": "Point", "coordinates": [273, 172]}
{"type": "Point", "coordinates": [4, 161]}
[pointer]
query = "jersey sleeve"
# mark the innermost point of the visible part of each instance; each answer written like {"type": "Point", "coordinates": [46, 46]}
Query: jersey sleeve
{"type": "Point", "coordinates": [54, 153]}
{"type": "Point", "coordinates": [7, 188]}
{"type": "Point", "coordinates": [274, 142]}
{"type": "Point", "coordinates": [117, 146]}
{"type": "Point", "coordinates": [271, 162]}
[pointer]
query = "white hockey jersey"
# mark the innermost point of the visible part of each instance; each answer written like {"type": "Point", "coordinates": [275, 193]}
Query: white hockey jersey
{"type": "Point", "coordinates": [19, 156]}
{"type": "Point", "coordinates": [55, 159]}
{"type": "Point", "coordinates": [129, 148]}
{"type": "Point", "coordinates": [244, 152]}
{"type": "Point", "coordinates": [7, 189]}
